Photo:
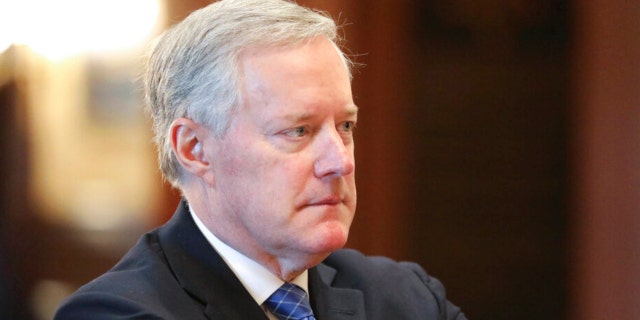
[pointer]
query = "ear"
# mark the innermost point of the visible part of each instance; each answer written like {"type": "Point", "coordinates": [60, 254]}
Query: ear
{"type": "Point", "coordinates": [187, 142]}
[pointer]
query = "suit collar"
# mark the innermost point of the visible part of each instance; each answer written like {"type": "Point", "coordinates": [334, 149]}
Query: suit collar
{"type": "Point", "coordinates": [202, 272]}
{"type": "Point", "coordinates": [329, 302]}
{"type": "Point", "coordinates": [205, 276]}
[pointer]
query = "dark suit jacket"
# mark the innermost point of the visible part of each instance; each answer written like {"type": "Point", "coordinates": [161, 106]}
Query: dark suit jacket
{"type": "Point", "coordinates": [174, 273]}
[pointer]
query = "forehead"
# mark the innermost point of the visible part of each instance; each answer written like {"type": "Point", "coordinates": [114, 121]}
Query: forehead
{"type": "Point", "coordinates": [312, 73]}
{"type": "Point", "coordinates": [317, 56]}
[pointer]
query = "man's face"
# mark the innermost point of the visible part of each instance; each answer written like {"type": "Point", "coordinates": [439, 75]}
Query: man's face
{"type": "Point", "coordinates": [284, 171]}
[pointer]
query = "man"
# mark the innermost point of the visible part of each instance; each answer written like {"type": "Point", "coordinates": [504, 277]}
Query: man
{"type": "Point", "coordinates": [254, 118]}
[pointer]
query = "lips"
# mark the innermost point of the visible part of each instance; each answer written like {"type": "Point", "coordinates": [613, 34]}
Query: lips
{"type": "Point", "coordinates": [326, 201]}
{"type": "Point", "coordinates": [330, 201]}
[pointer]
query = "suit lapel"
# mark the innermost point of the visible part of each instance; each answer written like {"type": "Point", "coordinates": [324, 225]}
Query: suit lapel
{"type": "Point", "coordinates": [206, 277]}
{"type": "Point", "coordinates": [330, 302]}
{"type": "Point", "coordinates": [202, 272]}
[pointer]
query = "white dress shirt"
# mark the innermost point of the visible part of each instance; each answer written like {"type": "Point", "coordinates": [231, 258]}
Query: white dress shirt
{"type": "Point", "coordinates": [259, 281]}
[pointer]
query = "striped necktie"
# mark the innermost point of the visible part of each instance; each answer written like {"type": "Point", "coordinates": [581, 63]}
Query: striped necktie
{"type": "Point", "coordinates": [290, 302]}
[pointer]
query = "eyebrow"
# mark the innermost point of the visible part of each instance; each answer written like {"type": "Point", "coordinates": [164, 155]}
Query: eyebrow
{"type": "Point", "coordinates": [350, 111]}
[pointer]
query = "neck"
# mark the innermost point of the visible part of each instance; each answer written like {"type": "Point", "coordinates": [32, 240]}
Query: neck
{"type": "Point", "coordinates": [286, 268]}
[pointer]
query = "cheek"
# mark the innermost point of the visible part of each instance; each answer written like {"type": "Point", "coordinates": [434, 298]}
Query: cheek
{"type": "Point", "coordinates": [255, 168]}
{"type": "Point", "coordinates": [237, 160]}
{"type": "Point", "coordinates": [258, 177]}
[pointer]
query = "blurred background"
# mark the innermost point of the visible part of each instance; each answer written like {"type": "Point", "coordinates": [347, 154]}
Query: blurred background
{"type": "Point", "coordinates": [498, 145]}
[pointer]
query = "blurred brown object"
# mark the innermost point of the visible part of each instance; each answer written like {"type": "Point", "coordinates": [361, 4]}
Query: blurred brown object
{"type": "Point", "coordinates": [16, 225]}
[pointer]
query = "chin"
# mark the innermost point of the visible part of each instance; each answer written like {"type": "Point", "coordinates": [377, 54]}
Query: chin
{"type": "Point", "coordinates": [331, 237]}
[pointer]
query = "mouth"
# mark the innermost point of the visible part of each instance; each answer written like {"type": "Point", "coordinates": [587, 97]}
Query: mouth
{"type": "Point", "coordinates": [327, 201]}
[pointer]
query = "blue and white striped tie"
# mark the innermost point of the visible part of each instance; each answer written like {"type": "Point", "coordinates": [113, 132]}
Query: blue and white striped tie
{"type": "Point", "coordinates": [290, 302]}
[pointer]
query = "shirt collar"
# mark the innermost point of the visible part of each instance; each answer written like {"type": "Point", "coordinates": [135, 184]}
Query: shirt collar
{"type": "Point", "coordinates": [259, 281]}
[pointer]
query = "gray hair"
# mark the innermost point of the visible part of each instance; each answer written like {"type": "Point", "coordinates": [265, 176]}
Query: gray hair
{"type": "Point", "coordinates": [192, 71]}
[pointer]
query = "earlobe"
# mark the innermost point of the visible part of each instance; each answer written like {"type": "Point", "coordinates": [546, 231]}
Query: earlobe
{"type": "Point", "coordinates": [187, 139]}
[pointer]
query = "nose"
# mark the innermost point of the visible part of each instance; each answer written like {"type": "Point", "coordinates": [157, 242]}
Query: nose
{"type": "Point", "coordinates": [334, 156]}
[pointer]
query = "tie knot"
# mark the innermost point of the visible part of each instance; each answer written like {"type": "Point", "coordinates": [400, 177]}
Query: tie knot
{"type": "Point", "coordinates": [290, 302]}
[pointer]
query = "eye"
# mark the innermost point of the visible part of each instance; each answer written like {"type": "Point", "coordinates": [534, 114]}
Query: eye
{"type": "Point", "coordinates": [348, 126]}
{"type": "Point", "coordinates": [296, 132]}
